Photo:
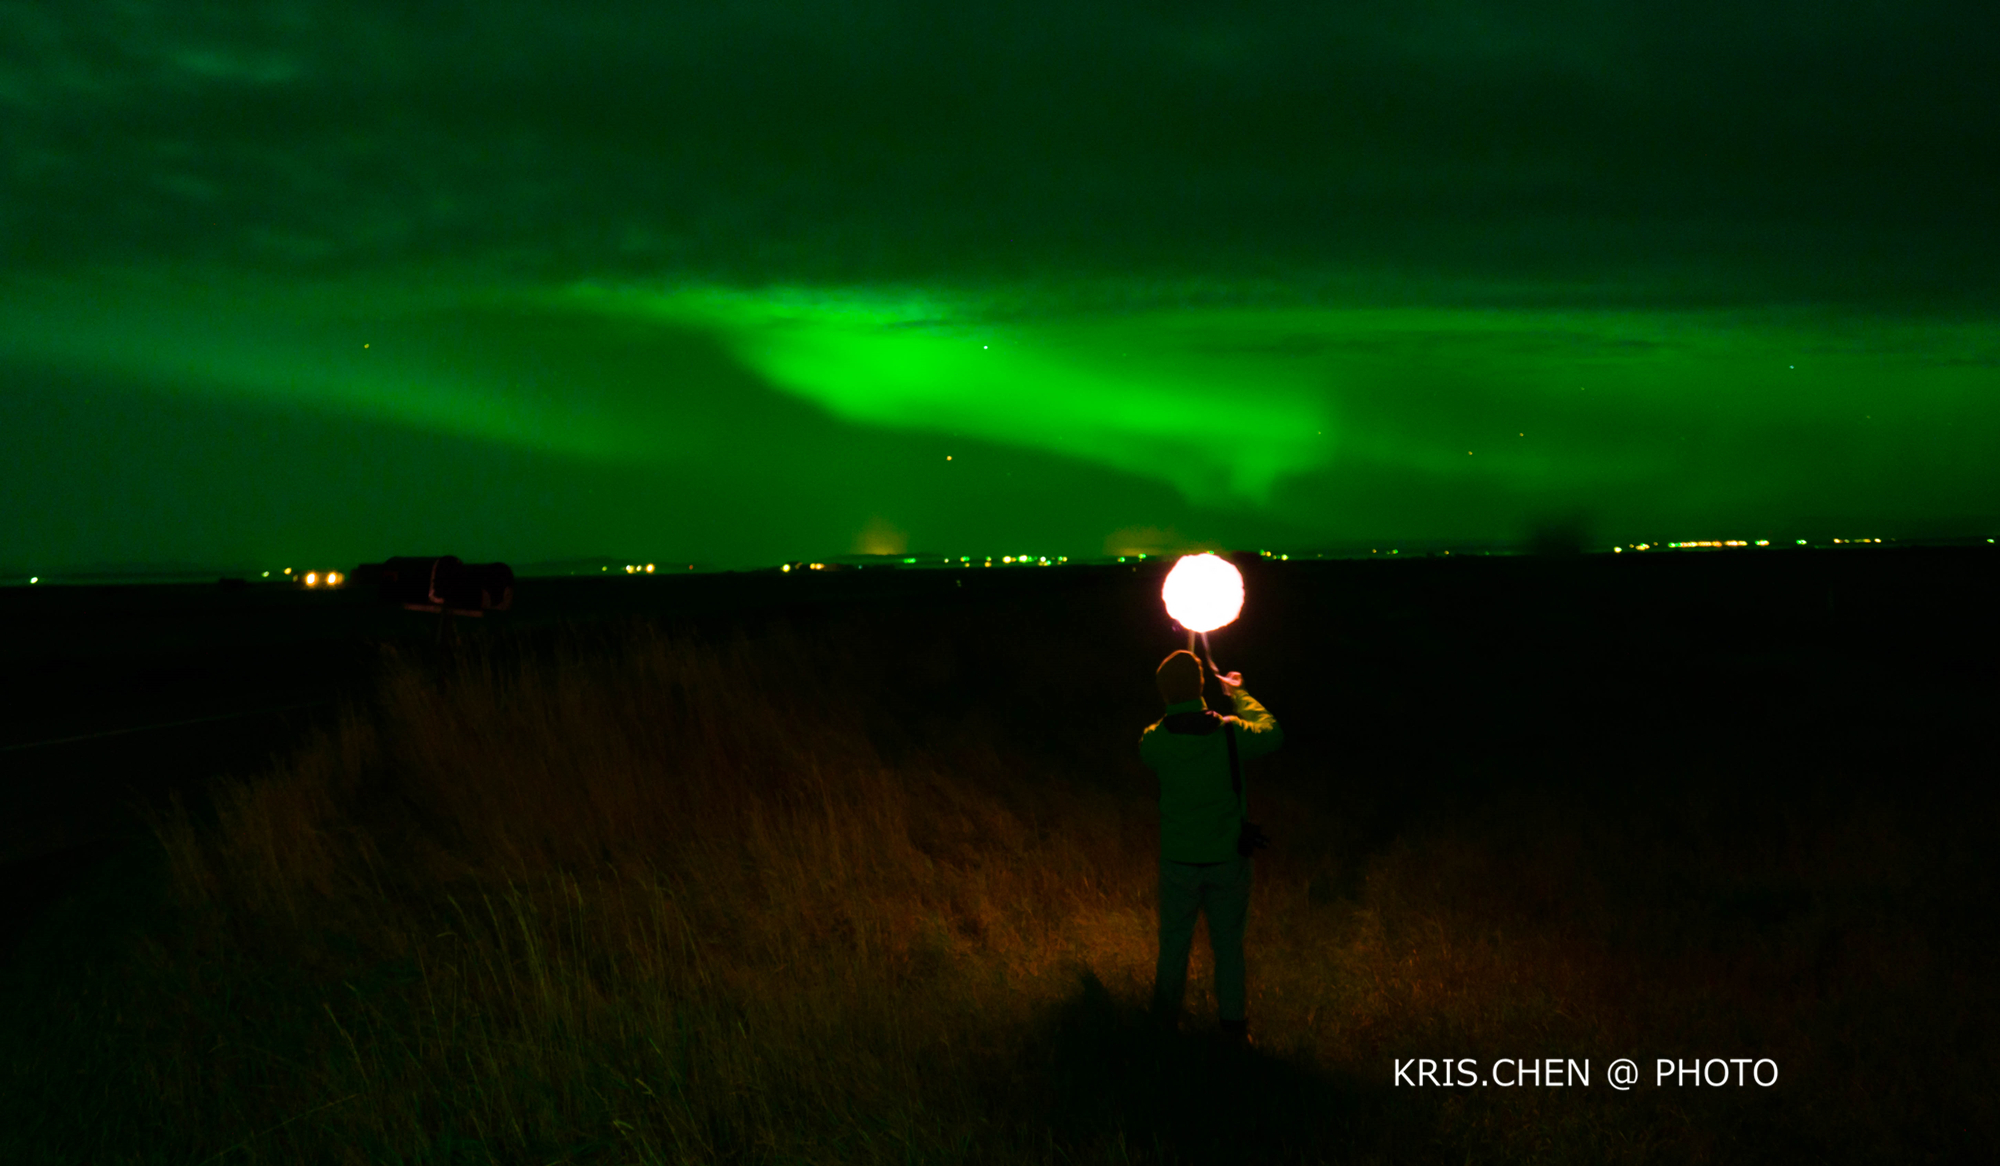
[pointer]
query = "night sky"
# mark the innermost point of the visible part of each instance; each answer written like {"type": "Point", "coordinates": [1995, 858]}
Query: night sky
{"type": "Point", "coordinates": [736, 283]}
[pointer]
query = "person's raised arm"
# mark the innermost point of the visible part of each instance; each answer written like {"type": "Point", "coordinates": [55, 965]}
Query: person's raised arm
{"type": "Point", "coordinates": [1261, 734]}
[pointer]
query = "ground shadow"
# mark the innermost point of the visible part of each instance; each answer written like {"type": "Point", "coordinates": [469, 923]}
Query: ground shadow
{"type": "Point", "coordinates": [1185, 1096]}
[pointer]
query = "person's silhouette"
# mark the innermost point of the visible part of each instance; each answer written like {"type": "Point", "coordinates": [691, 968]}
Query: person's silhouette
{"type": "Point", "coordinates": [1201, 819]}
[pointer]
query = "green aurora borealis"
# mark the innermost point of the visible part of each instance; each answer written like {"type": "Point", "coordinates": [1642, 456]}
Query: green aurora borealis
{"type": "Point", "coordinates": [340, 282]}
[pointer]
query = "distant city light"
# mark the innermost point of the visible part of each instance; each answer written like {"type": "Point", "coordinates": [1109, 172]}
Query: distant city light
{"type": "Point", "coordinates": [786, 568]}
{"type": "Point", "coordinates": [38, 578]}
{"type": "Point", "coordinates": [649, 568]}
{"type": "Point", "coordinates": [311, 579]}
{"type": "Point", "coordinates": [288, 570]}
{"type": "Point", "coordinates": [267, 574]}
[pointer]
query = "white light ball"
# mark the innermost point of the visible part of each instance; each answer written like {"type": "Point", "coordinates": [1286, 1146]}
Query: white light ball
{"type": "Point", "coordinates": [1203, 592]}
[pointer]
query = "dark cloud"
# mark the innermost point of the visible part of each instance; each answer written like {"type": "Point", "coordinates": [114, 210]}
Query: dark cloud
{"type": "Point", "coordinates": [859, 139]}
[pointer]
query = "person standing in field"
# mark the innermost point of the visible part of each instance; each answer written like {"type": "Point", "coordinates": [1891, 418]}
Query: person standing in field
{"type": "Point", "coordinates": [1203, 870]}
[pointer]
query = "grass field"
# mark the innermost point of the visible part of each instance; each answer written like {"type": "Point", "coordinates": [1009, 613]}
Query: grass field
{"type": "Point", "coordinates": [883, 891]}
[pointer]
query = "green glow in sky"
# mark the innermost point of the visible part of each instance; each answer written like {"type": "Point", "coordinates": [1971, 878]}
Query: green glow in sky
{"type": "Point", "coordinates": [745, 283]}
{"type": "Point", "coordinates": [1224, 404]}
{"type": "Point", "coordinates": [909, 411]}
{"type": "Point", "coordinates": [340, 349]}
{"type": "Point", "coordinates": [1137, 395]}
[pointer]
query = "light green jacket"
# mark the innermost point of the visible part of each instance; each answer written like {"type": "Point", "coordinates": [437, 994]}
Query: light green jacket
{"type": "Point", "coordinates": [1199, 815]}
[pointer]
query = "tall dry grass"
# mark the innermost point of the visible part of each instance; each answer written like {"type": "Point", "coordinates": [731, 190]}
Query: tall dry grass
{"type": "Point", "coordinates": [647, 898]}
{"type": "Point", "coordinates": [653, 895]}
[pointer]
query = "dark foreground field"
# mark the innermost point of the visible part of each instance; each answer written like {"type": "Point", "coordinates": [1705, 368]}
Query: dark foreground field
{"type": "Point", "coordinates": [874, 882]}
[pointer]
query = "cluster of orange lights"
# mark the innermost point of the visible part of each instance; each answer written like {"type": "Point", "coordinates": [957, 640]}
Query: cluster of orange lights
{"type": "Point", "coordinates": [641, 568]}
{"type": "Point", "coordinates": [314, 578]}
{"type": "Point", "coordinates": [962, 561]}
{"type": "Point", "coordinates": [1709, 542]}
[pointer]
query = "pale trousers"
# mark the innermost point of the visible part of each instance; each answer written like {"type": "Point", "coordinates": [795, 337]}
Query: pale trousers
{"type": "Point", "coordinates": [1222, 892]}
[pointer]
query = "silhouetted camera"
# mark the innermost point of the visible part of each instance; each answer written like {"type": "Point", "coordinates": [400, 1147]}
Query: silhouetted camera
{"type": "Point", "coordinates": [441, 584]}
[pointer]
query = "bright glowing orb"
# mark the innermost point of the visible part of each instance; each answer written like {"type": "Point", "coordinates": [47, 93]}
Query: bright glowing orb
{"type": "Point", "coordinates": [1203, 592]}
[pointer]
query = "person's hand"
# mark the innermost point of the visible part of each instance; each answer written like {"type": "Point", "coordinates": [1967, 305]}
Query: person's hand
{"type": "Point", "coordinates": [1231, 681]}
